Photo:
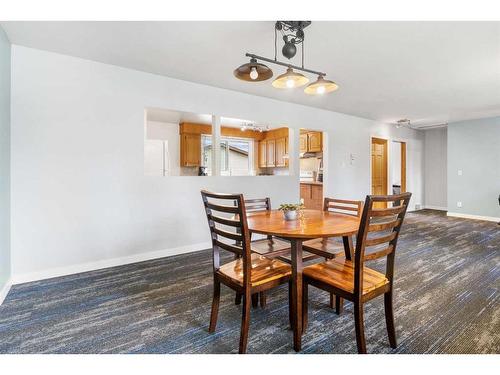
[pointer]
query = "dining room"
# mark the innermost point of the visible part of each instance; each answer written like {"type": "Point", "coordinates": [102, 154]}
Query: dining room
{"type": "Point", "coordinates": [277, 205]}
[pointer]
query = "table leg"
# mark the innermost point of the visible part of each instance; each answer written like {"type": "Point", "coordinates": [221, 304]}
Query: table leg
{"type": "Point", "coordinates": [348, 247]}
{"type": "Point", "coordinates": [296, 245]}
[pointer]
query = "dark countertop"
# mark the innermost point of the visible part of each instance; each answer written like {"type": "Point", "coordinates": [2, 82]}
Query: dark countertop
{"type": "Point", "coordinates": [312, 183]}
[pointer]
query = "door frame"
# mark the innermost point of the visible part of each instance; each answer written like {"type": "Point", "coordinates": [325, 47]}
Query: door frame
{"type": "Point", "coordinates": [407, 142]}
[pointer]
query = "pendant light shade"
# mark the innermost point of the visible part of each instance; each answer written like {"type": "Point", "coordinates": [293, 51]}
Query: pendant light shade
{"type": "Point", "coordinates": [321, 86]}
{"type": "Point", "coordinates": [290, 79]}
{"type": "Point", "coordinates": [253, 72]}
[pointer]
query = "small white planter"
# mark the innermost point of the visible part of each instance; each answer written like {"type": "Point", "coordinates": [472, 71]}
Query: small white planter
{"type": "Point", "coordinates": [290, 215]}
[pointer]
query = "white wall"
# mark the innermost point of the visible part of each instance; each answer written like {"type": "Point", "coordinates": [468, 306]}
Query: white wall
{"type": "Point", "coordinates": [435, 168]}
{"type": "Point", "coordinates": [5, 271]}
{"type": "Point", "coordinates": [79, 194]}
{"type": "Point", "coordinates": [474, 150]}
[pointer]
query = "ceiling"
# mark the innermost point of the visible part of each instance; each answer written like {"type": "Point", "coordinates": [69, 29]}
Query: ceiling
{"type": "Point", "coordinates": [176, 117]}
{"type": "Point", "coordinates": [429, 72]}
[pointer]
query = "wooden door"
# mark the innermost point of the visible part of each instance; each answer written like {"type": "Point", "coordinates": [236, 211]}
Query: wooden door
{"type": "Point", "coordinates": [280, 152]}
{"type": "Point", "coordinates": [262, 154]}
{"type": "Point", "coordinates": [270, 152]}
{"type": "Point", "coordinates": [190, 150]}
{"type": "Point", "coordinates": [379, 168]}
{"type": "Point", "coordinates": [314, 142]}
{"type": "Point", "coordinates": [303, 143]}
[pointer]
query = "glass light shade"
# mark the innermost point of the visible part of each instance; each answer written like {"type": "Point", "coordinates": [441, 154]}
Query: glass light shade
{"type": "Point", "coordinates": [290, 79]}
{"type": "Point", "coordinates": [253, 72]}
{"type": "Point", "coordinates": [321, 86]}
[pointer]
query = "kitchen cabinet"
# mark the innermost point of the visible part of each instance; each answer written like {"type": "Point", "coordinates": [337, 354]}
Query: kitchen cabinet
{"type": "Point", "coordinates": [190, 150]}
{"type": "Point", "coordinates": [311, 142]}
{"type": "Point", "coordinates": [270, 153]}
{"type": "Point", "coordinates": [312, 195]}
{"type": "Point", "coordinates": [281, 152]}
{"type": "Point", "coordinates": [303, 143]}
{"type": "Point", "coordinates": [314, 142]}
{"type": "Point", "coordinates": [262, 154]}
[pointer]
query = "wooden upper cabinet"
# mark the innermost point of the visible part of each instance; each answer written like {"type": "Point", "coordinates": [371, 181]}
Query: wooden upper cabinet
{"type": "Point", "coordinates": [281, 161]}
{"type": "Point", "coordinates": [314, 142]}
{"type": "Point", "coordinates": [270, 153]}
{"type": "Point", "coordinates": [303, 142]}
{"type": "Point", "coordinates": [262, 154]}
{"type": "Point", "coordinates": [190, 150]}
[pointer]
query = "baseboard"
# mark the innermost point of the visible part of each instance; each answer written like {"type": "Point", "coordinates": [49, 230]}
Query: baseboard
{"type": "Point", "coordinates": [474, 217]}
{"type": "Point", "coordinates": [5, 290]}
{"type": "Point", "coordinates": [438, 208]}
{"type": "Point", "coordinates": [92, 266]}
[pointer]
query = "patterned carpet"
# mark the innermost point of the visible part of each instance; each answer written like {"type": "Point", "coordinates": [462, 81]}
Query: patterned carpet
{"type": "Point", "coordinates": [447, 300]}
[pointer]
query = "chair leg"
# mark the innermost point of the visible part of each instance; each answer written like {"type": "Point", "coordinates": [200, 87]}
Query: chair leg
{"type": "Point", "coordinates": [237, 299]}
{"type": "Point", "coordinates": [215, 306]}
{"type": "Point", "coordinates": [255, 300]}
{"type": "Point", "coordinates": [263, 299]}
{"type": "Point", "coordinates": [389, 319]}
{"type": "Point", "coordinates": [339, 305]}
{"type": "Point", "coordinates": [305, 305]}
{"type": "Point", "coordinates": [360, 330]}
{"type": "Point", "coordinates": [245, 322]}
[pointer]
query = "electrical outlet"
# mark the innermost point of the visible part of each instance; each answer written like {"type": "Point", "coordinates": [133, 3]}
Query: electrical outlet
{"type": "Point", "coordinates": [459, 204]}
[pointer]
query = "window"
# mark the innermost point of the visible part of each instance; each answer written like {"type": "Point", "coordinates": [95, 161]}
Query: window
{"type": "Point", "coordinates": [236, 155]}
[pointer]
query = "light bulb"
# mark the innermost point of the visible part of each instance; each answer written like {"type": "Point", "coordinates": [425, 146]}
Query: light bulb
{"type": "Point", "coordinates": [290, 83]}
{"type": "Point", "coordinates": [320, 90]}
{"type": "Point", "coordinates": [254, 74]}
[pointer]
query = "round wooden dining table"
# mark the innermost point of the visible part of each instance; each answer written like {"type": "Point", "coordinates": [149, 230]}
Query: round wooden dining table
{"type": "Point", "coordinates": [310, 224]}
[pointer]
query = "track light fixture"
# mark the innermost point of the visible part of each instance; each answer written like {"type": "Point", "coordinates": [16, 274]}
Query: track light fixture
{"type": "Point", "coordinates": [293, 36]}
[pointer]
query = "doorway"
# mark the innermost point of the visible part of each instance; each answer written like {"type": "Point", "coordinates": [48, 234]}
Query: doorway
{"type": "Point", "coordinates": [311, 168]}
{"type": "Point", "coordinates": [379, 169]}
{"type": "Point", "coordinates": [398, 167]}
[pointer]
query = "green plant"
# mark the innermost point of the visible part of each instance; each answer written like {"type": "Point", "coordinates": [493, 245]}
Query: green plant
{"type": "Point", "coordinates": [291, 207]}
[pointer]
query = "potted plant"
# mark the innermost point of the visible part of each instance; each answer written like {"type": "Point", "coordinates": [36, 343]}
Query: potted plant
{"type": "Point", "coordinates": [290, 210]}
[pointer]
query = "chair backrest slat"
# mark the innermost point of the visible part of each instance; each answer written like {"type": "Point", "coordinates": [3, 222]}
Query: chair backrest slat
{"type": "Point", "coordinates": [342, 206]}
{"type": "Point", "coordinates": [379, 230]}
{"type": "Point", "coordinates": [235, 218]}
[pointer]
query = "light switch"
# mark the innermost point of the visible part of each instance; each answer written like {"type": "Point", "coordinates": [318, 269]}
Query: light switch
{"type": "Point", "coordinates": [459, 204]}
{"type": "Point", "coordinates": [459, 172]}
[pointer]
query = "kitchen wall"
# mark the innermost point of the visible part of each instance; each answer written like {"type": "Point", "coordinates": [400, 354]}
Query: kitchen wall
{"type": "Point", "coordinates": [436, 168]}
{"type": "Point", "coordinates": [474, 168]}
{"type": "Point", "coordinates": [80, 199]}
{"type": "Point", "coordinates": [5, 271]}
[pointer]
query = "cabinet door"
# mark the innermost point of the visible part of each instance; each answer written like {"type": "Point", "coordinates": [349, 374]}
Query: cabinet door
{"type": "Point", "coordinates": [280, 152]}
{"type": "Point", "coordinates": [303, 143]}
{"type": "Point", "coordinates": [314, 143]}
{"type": "Point", "coordinates": [305, 194]}
{"type": "Point", "coordinates": [190, 150]}
{"type": "Point", "coordinates": [317, 197]}
{"type": "Point", "coordinates": [262, 154]}
{"type": "Point", "coordinates": [270, 153]}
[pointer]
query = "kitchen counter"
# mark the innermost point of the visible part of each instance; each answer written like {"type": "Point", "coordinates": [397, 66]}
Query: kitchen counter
{"type": "Point", "coordinates": [312, 183]}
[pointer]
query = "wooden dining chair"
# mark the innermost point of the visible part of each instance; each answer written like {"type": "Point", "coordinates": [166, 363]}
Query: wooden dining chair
{"type": "Point", "coordinates": [330, 248]}
{"type": "Point", "coordinates": [379, 230]}
{"type": "Point", "coordinates": [250, 273]}
{"type": "Point", "coordinates": [270, 247]}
